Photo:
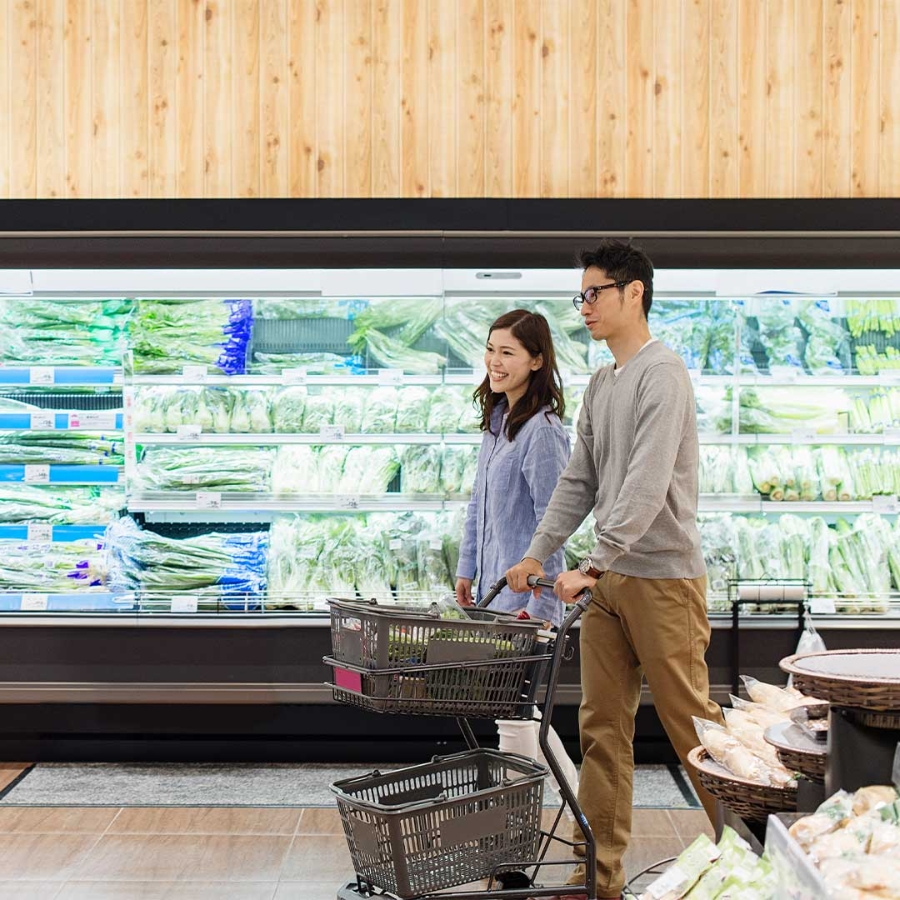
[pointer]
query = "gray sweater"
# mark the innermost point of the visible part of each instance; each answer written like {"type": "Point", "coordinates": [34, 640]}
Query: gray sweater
{"type": "Point", "coordinates": [635, 463]}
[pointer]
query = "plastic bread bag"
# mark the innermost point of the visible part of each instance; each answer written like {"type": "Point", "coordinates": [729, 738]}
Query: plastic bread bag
{"type": "Point", "coordinates": [885, 840]}
{"type": "Point", "coordinates": [729, 752]}
{"type": "Point", "coordinates": [684, 873]}
{"type": "Point", "coordinates": [851, 838]}
{"type": "Point", "coordinates": [751, 882]}
{"type": "Point", "coordinates": [774, 698]}
{"type": "Point", "coordinates": [735, 856]}
{"type": "Point", "coordinates": [806, 830]}
{"type": "Point", "coordinates": [870, 798]}
{"type": "Point", "coordinates": [879, 875]}
{"type": "Point", "coordinates": [760, 714]}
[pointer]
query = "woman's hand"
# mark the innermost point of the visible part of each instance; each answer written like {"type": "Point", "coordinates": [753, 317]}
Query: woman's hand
{"type": "Point", "coordinates": [464, 592]}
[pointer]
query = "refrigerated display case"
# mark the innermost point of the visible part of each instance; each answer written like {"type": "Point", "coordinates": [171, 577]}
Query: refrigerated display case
{"type": "Point", "coordinates": [275, 435]}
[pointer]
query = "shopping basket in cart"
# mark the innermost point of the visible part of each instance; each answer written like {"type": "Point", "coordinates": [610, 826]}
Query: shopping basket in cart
{"type": "Point", "coordinates": [418, 831]}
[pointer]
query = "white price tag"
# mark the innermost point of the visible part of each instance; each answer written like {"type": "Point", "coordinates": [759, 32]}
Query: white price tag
{"type": "Point", "coordinates": [92, 420]}
{"type": "Point", "coordinates": [887, 504]}
{"type": "Point", "coordinates": [390, 376]}
{"type": "Point", "coordinates": [347, 501]}
{"type": "Point", "coordinates": [187, 603]}
{"type": "Point", "coordinates": [478, 376]}
{"type": "Point", "coordinates": [331, 432]}
{"type": "Point", "coordinates": [890, 377]}
{"type": "Point", "coordinates": [209, 500]}
{"type": "Point", "coordinates": [33, 602]}
{"type": "Point", "coordinates": [294, 376]}
{"type": "Point", "coordinates": [194, 373]}
{"type": "Point", "coordinates": [695, 376]}
{"type": "Point", "coordinates": [191, 478]}
{"type": "Point", "coordinates": [822, 606]}
{"type": "Point", "coordinates": [40, 533]}
{"type": "Point", "coordinates": [40, 375]}
{"type": "Point", "coordinates": [38, 474]}
{"type": "Point", "coordinates": [395, 544]}
{"type": "Point", "coordinates": [189, 432]}
{"type": "Point", "coordinates": [436, 545]}
{"type": "Point", "coordinates": [892, 435]}
{"type": "Point", "coordinates": [43, 421]}
{"type": "Point", "coordinates": [803, 435]}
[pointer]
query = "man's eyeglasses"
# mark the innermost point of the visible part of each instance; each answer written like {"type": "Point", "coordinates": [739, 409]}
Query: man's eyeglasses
{"type": "Point", "coordinates": [592, 293]}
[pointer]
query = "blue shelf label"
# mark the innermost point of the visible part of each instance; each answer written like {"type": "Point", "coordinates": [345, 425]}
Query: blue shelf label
{"type": "Point", "coordinates": [42, 474]}
{"type": "Point", "coordinates": [83, 602]}
{"type": "Point", "coordinates": [58, 533]}
{"type": "Point", "coordinates": [42, 375]}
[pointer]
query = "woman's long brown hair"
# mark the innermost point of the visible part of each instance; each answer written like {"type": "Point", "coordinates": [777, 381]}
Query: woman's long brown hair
{"type": "Point", "coordinates": [544, 387]}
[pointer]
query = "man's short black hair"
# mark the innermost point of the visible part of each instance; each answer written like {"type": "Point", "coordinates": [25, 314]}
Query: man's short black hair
{"type": "Point", "coordinates": [622, 261]}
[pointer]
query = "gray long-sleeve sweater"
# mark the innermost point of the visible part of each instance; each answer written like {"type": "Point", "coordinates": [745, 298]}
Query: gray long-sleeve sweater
{"type": "Point", "coordinates": [635, 463]}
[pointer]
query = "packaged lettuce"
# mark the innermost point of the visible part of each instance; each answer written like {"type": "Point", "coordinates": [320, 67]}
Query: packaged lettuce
{"type": "Point", "coordinates": [454, 465]}
{"type": "Point", "coordinates": [434, 576]}
{"type": "Point", "coordinates": [319, 411]}
{"type": "Point", "coordinates": [330, 468]}
{"type": "Point", "coordinates": [469, 421]}
{"type": "Point", "coordinates": [420, 467]}
{"type": "Point", "coordinates": [369, 470]}
{"type": "Point", "coordinates": [412, 410]}
{"type": "Point", "coordinates": [380, 413]}
{"type": "Point", "coordinates": [295, 470]}
{"type": "Point", "coordinates": [685, 872]}
{"type": "Point", "coordinates": [287, 410]}
{"type": "Point", "coordinates": [251, 412]}
{"type": "Point", "coordinates": [443, 411]}
{"type": "Point", "coordinates": [348, 409]}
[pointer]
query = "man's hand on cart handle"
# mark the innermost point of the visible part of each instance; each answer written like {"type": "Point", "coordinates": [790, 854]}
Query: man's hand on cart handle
{"type": "Point", "coordinates": [464, 592]}
{"type": "Point", "coordinates": [570, 585]}
{"type": "Point", "coordinates": [517, 576]}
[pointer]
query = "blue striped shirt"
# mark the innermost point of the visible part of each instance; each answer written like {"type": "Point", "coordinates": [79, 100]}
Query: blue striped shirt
{"type": "Point", "coordinates": [513, 485]}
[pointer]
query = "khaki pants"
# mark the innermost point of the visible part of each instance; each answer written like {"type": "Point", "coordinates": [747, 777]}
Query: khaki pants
{"type": "Point", "coordinates": [637, 626]}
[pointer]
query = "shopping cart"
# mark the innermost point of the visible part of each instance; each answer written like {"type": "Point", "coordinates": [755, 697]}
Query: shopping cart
{"type": "Point", "coordinates": [420, 831]}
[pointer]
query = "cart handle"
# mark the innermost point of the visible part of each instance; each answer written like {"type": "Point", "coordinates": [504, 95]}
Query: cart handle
{"type": "Point", "coordinates": [583, 600]}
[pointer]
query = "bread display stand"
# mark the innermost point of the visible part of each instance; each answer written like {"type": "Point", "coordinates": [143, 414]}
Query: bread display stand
{"type": "Point", "coordinates": [863, 688]}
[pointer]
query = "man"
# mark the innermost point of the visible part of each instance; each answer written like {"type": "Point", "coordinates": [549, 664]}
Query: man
{"type": "Point", "coordinates": [635, 464]}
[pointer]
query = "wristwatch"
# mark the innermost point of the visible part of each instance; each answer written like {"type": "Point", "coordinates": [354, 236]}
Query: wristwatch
{"type": "Point", "coordinates": [586, 567]}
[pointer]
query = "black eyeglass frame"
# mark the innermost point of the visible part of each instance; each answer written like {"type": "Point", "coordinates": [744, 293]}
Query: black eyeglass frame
{"type": "Point", "coordinates": [580, 299]}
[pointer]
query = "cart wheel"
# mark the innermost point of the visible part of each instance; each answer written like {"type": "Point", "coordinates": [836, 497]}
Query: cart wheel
{"type": "Point", "coordinates": [512, 880]}
{"type": "Point", "coordinates": [350, 891]}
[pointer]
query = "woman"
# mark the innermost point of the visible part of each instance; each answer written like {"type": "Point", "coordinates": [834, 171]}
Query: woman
{"type": "Point", "coordinates": [523, 452]}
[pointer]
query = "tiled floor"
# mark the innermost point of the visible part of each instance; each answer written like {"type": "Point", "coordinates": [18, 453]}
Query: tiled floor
{"type": "Point", "coordinates": [218, 854]}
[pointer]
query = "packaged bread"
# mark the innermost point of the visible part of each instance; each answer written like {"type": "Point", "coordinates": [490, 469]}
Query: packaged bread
{"type": "Point", "coordinates": [804, 831]}
{"type": "Point", "coordinates": [774, 698]}
{"type": "Point", "coordinates": [872, 797]}
{"type": "Point", "coordinates": [760, 714]}
{"type": "Point", "coordinates": [879, 874]}
{"type": "Point", "coordinates": [729, 752]}
{"type": "Point", "coordinates": [850, 840]}
{"type": "Point", "coordinates": [750, 734]}
{"type": "Point", "coordinates": [685, 872]}
{"type": "Point", "coordinates": [736, 858]}
{"type": "Point", "coordinates": [885, 839]}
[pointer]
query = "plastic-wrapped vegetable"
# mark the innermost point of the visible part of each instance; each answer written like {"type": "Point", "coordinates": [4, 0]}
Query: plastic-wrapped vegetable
{"type": "Point", "coordinates": [380, 413]}
{"type": "Point", "coordinates": [454, 466]}
{"type": "Point", "coordinates": [421, 469]}
{"type": "Point", "coordinates": [318, 412]}
{"type": "Point", "coordinates": [434, 576]}
{"type": "Point", "coordinates": [295, 470]}
{"type": "Point", "coordinates": [60, 448]}
{"type": "Point", "coordinates": [348, 409]}
{"type": "Point", "coordinates": [443, 411]}
{"type": "Point", "coordinates": [412, 410]}
{"type": "Point", "coordinates": [369, 470]}
{"type": "Point", "coordinates": [250, 412]}
{"type": "Point", "coordinates": [287, 410]}
{"type": "Point", "coordinates": [23, 503]}
{"type": "Point", "coordinates": [62, 567]}
{"type": "Point", "coordinates": [200, 468]}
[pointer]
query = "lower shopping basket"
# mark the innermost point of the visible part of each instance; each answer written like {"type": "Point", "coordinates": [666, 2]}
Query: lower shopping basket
{"type": "Point", "coordinates": [448, 822]}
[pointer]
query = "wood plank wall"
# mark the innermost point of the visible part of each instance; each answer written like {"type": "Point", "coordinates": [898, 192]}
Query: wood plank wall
{"type": "Point", "coordinates": [449, 98]}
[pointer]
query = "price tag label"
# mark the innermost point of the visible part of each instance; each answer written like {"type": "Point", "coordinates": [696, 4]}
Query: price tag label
{"type": "Point", "coordinates": [803, 435]}
{"type": "Point", "coordinates": [194, 373]}
{"type": "Point", "coordinates": [695, 376]}
{"type": "Point", "coordinates": [188, 432]}
{"type": "Point", "coordinates": [390, 376]}
{"type": "Point", "coordinates": [294, 376]}
{"type": "Point", "coordinates": [890, 377]}
{"type": "Point", "coordinates": [822, 606]}
{"type": "Point", "coordinates": [43, 421]}
{"type": "Point", "coordinates": [40, 375]}
{"type": "Point", "coordinates": [331, 432]}
{"type": "Point", "coordinates": [191, 478]}
{"type": "Point", "coordinates": [39, 474]}
{"type": "Point", "coordinates": [91, 420]}
{"type": "Point", "coordinates": [186, 603]}
{"type": "Point", "coordinates": [209, 500]}
{"type": "Point", "coordinates": [33, 602]}
{"type": "Point", "coordinates": [892, 435]}
{"type": "Point", "coordinates": [477, 376]}
{"type": "Point", "coordinates": [887, 504]}
{"type": "Point", "coordinates": [40, 533]}
{"type": "Point", "coordinates": [436, 545]}
{"type": "Point", "coordinates": [347, 501]}
{"type": "Point", "coordinates": [395, 544]}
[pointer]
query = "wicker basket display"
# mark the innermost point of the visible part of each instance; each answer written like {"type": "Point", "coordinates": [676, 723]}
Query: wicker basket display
{"type": "Point", "coordinates": [798, 751]}
{"type": "Point", "coordinates": [752, 802]}
{"type": "Point", "coordinates": [865, 679]}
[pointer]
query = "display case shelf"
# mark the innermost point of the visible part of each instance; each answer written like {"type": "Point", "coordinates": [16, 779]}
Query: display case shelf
{"type": "Point", "coordinates": [269, 439]}
{"type": "Point", "coordinates": [87, 420]}
{"type": "Point", "coordinates": [52, 474]}
{"type": "Point", "coordinates": [70, 376]}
